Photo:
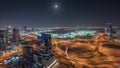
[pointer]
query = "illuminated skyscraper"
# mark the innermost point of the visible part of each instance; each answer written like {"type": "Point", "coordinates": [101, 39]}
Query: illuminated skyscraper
{"type": "Point", "coordinates": [9, 35]}
{"type": "Point", "coordinates": [111, 30]}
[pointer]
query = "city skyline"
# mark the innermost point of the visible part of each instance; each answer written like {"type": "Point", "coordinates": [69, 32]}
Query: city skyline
{"type": "Point", "coordinates": [59, 34]}
{"type": "Point", "coordinates": [52, 13]}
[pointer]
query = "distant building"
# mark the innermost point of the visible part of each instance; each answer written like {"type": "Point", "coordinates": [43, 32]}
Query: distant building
{"type": "Point", "coordinates": [111, 31]}
{"type": "Point", "coordinates": [33, 29]}
{"type": "Point", "coordinates": [24, 28]}
{"type": "Point", "coordinates": [118, 33]}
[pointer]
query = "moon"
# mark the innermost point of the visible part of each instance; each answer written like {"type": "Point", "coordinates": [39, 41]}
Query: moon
{"type": "Point", "coordinates": [55, 6]}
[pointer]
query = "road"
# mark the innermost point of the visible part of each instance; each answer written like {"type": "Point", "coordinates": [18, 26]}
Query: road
{"type": "Point", "coordinates": [81, 53]}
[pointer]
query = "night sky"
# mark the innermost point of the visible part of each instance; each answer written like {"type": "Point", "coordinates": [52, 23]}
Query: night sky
{"type": "Point", "coordinates": [49, 13]}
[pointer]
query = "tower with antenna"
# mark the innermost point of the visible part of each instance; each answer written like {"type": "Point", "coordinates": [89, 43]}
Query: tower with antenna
{"type": "Point", "coordinates": [111, 30]}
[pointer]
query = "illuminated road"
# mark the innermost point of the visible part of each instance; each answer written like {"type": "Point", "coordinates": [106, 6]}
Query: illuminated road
{"type": "Point", "coordinates": [83, 53]}
{"type": "Point", "coordinates": [8, 54]}
{"type": "Point", "coordinates": [79, 53]}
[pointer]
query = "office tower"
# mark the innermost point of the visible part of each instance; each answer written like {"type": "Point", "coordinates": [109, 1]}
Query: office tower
{"type": "Point", "coordinates": [44, 42]}
{"type": "Point", "coordinates": [16, 35]}
{"type": "Point", "coordinates": [28, 57]}
{"type": "Point", "coordinates": [2, 39]}
{"type": "Point", "coordinates": [111, 30]}
{"type": "Point", "coordinates": [24, 29]}
{"type": "Point", "coordinates": [9, 35]}
{"type": "Point", "coordinates": [43, 55]}
{"type": "Point", "coordinates": [28, 52]}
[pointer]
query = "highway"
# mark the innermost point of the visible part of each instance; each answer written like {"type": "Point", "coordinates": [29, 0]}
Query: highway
{"type": "Point", "coordinates": [84, 53]}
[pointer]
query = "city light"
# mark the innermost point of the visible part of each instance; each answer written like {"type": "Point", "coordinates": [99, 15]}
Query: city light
{"type": "Point", "coordinates": [59, 34]}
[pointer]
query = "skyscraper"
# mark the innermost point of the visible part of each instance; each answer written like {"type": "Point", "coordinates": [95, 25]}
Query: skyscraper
{"type": "Point", "coordinates": [16, 35]}
{"type": "Point", "coordinates": [111, 30]}
{"type": "Point", "coordinates": [2, 39]}
{"type": "Point", "coordinates": [9, 35]}
{"type": "Point", "coordinates": [43, 54]}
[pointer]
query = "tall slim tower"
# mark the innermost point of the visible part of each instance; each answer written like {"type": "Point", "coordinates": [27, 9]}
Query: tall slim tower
{"type": "Point", "coordinates": [16, 35]}
{"type": "Point", "coordinates": [9, 35]}
{"type": "Point", "coordinates": [111, 30]}
{"type": "Point", "coordinates": [2, 39]}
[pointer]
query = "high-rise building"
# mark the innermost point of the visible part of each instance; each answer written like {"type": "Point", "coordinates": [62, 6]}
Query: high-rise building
{"type": "Point", "coordinates": [2, 39]}
{"type": "Point", "coordinates": [44, 42]}
{"type": "Point", "coordinates": [9, 35]}
{"type": "Point", "coordinates": [28, 52]}
{"type": "Point", "coordinates": [43, 55]}
{"type": "Point", "coordinates": [16, 35]}
{"type": "Point", "coordinates": [111, 31]}
{"type": "Point", "coordinates": [28, 57]}
{"type": "Point", "coordinates": [24, 29]}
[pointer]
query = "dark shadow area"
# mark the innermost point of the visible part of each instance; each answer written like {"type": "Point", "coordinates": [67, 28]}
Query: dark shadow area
{"type": "Point", "coordinates": [112, 46]}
